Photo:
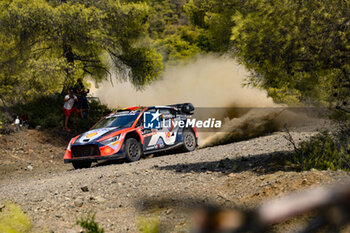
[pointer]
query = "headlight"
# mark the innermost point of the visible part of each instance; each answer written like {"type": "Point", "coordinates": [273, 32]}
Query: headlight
{"type": "Point", "coordinates": [110, 140]}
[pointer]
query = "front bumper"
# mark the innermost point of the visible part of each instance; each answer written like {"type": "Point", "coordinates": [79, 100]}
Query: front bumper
{"type": "Point", "coordinates": [119, 155]}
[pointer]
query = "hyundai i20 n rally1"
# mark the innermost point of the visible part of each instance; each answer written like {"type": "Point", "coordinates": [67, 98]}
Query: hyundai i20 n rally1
{"type": "Point", "coordinates": [130, 133]}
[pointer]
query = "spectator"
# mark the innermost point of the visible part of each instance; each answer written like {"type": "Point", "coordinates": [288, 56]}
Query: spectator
{"type": "Point", "coordinates": [17, 123]}
{"type": "Point", "coordinates": [81, 93]}
{"type": "Point", "coordinates": [23, 120]}
{"type": "Point", "coordinates": [68, 107]}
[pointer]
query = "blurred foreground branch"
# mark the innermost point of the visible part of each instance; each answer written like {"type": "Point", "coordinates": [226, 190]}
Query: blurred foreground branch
{"type": "Point", "coordinates": [331, 204]}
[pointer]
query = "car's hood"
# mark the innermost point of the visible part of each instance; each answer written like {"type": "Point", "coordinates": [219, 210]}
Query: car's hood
{"type": "Point", "coordinates": [94, 134]}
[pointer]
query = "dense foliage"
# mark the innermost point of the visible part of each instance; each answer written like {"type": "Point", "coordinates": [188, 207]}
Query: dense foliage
{"type": "Point", "coordinates": [323, 152]}
{"type": "Point", "coordinates": [46, 112]}
{"type": "Point", "coordinates": [296, 50]}
{"type": "Point", "coordinates": [47, 44]}
{"type": "Point", "coordinates": [171, 32]}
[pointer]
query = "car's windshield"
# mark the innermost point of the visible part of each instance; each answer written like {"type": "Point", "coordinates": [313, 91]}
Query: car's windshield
{"type": "Point", "coordinates": [117, 121]}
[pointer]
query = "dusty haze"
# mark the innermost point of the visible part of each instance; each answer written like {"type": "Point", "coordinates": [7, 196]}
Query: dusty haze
{"type": "Point", "coordinates": [207, 81]}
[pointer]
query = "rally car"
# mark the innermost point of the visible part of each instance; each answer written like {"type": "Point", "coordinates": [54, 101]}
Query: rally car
{"type": "Point", "coordinates": [132, 132]}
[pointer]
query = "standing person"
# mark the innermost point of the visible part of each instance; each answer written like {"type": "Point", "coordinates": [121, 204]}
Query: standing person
{"type": "Point", "coordinates": [69, 108]}
{"type": "Point", "coordinates": [80, 92]}
{"type": "Point", "coordinates": [17, 123]}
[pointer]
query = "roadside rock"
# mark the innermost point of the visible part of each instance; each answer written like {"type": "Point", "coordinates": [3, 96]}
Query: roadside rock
{"type": "Point", "coordinates": [30, 168]}
{"type": "Point", "coordinates": [78, 203]}
{"type": "Point", "coordinates": [84, 189]}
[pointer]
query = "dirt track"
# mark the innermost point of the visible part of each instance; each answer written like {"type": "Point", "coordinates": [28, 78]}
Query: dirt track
{"type": "Point", "coordinates": [243, 173]}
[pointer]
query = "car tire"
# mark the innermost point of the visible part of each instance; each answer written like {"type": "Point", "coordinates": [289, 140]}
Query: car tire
{"type": "Point", "coordinates": [133, 150]}
{"type": "Point", "coordinates": [189, 140]}
{"type": "Point", "coordinates": [81, 164]}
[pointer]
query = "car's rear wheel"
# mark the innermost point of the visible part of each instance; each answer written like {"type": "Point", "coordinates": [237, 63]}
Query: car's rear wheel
{"type": "Point", "coordinates": [133, 150]}
{"type": "Point", "coordinates": [81, 164]}
{"type": "Point", "coordinates": [189, 140]}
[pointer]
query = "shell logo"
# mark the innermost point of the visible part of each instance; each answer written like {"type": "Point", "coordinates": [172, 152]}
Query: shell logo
{"type": "Point", "coordinates": [108, 150]}
{"type": "Point", "coordinates": [168, 135]}
{"type": "Point", "coordinates": [91, 135]}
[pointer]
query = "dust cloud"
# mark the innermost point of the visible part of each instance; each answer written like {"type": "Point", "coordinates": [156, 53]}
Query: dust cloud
{"type": "Point", "coordinates": [207, 81]}
{"type": "Point", "coordinates": [210, 82]}
{"type": "Point", "coordinates": [252, 124]}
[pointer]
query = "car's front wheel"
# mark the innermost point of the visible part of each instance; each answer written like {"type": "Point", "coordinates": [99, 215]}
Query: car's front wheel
{"type": "Point", "coordinates": [189, 140]}
{"type": "Point", "coordinates": [133, 150]}
{"type": "Point", "coordinates": [81, 164]}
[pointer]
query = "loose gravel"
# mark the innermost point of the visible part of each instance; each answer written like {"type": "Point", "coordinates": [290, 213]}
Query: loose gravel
{"type": "Point", "coordinates": [119, 192]}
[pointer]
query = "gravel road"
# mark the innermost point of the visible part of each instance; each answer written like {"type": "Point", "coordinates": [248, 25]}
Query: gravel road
{"type": "Point", "coordinates": [237, 174]}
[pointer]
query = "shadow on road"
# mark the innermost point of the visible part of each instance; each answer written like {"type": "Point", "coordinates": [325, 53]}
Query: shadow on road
{"type": "Point", "coordinates": [149, 156]}
{"type": "Point", "coordinates": [260, 164]}
{"type": "Point", "coordinates": [109, 162]}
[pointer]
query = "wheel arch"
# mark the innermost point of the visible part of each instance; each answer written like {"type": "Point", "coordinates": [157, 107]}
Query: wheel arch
{"type": "Point", "coordinates": [133, 134]}
{"type": "Point", "coordinates": [137, 137]}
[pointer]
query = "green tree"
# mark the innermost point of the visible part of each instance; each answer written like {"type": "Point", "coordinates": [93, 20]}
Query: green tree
{"type": "Point", "coordinates": [47, 44]}
{"type": "Point", "coordinates": [296, 50]}
{"type": "Point", "coordinates": [171, 33]}
{"type": "Point", "coordinates": [216, 18]}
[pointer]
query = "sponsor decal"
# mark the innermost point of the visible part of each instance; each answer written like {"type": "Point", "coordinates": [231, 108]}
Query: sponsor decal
{"type": "Point", "coordinates": [91, 135]}
{"type": "Point", "coordinates": [151, 147]}
{"type": "Point", "coordinates": [108, 150]}
{"type": "Point", "coordinates": [116, 114]}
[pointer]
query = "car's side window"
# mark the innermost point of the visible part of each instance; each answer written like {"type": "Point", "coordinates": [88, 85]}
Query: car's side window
{"type": "Point", "coordinates": [140, 122]}
{"type": "Point", "coordinates": [166, 114]}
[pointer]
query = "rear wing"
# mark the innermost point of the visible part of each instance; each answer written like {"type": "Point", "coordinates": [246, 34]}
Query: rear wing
{"type": "Point", "coordinates": [185, 108]}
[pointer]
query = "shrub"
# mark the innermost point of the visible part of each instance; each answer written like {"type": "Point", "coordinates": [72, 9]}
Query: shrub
{"type": "Point", "coordinates": [89, 224]}
{"type": "Point", "coordinates": [12, 219]}
{"type": "Point", "coordinates": [47, 112]}
{"type": "Point", "coordinates": [322, 152]}
{"type": "Point", "coordinates": [97, 111]}
{"type": "Point", "coordinates": [2, 118]}
{"type": "Point", "coordinates": [149, 224]}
